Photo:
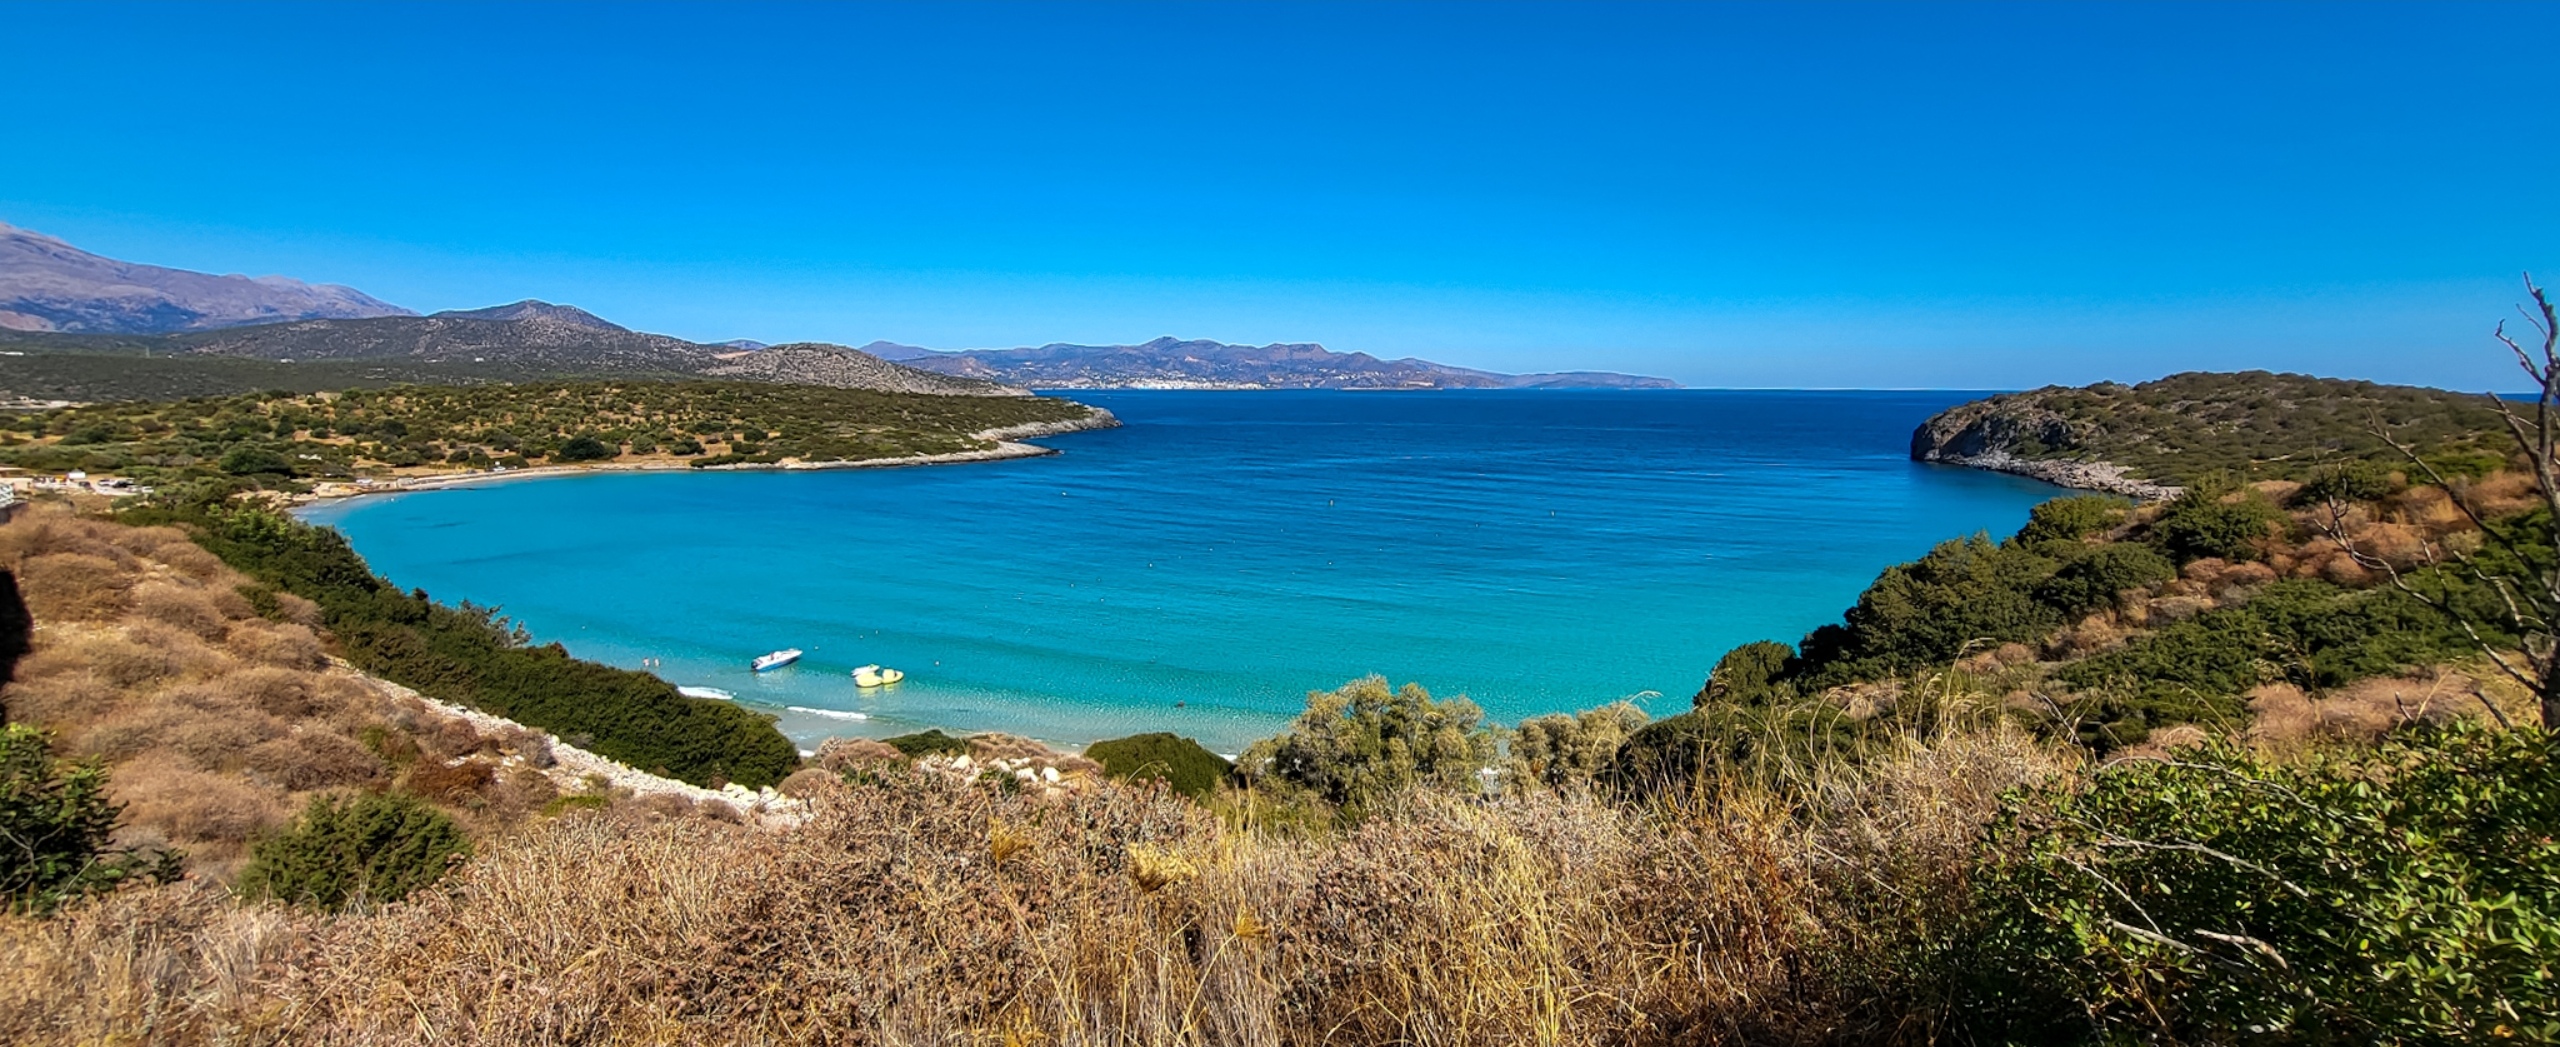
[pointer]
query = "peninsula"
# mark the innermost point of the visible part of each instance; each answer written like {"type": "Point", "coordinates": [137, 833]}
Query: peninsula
{"type": "Point", "coordinates": [2148, 441]}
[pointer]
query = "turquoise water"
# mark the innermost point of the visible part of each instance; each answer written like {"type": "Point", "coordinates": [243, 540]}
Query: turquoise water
{"type": "Point", "coordinates": [1202, 568]}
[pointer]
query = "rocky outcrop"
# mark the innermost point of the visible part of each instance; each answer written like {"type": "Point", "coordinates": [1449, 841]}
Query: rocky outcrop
{"type": "Point", "coordinates": [1094, 418]}
{"type": "Point", "coordinates": [2017, 434]}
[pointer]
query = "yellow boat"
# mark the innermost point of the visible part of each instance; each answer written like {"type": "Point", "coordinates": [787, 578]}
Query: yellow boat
{"type": "Point", "coordinates": [875, 676]}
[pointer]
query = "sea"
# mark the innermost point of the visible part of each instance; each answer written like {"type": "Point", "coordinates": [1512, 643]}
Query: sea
{"type": "Point", "coordinates": [1204, 567]}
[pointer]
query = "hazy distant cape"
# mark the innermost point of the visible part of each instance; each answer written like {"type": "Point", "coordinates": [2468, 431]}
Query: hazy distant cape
{"type": "Point", "coordinates": [1170, 363]}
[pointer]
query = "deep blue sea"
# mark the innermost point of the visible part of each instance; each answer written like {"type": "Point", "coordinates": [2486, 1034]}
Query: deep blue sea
{"type": "Point", "coordinates": [1202, 568]}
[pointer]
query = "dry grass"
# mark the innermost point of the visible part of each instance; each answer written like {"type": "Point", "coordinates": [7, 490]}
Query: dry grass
{"type": "Point", "coordinates": [213, 816]}
{"type": "Point", "coordinates": [925, 911]}
{"type": "Point", "coordinates": [215, 723]}
{"type": "Point", "coordinates": [174, 965]}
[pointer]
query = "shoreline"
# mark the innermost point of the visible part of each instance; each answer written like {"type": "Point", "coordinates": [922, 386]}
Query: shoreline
{"type": "Point", "coordinates": [1007, 439]}
{"type": "Point", "coordinates": [2102, 477]}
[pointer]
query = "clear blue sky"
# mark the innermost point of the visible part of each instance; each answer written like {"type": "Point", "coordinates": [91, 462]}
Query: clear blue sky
{"type": "Point", "coordinates": [1892, 195]}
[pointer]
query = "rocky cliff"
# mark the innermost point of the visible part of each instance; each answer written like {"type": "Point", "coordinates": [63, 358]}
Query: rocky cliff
{"type": "Point", "coordinates": [2019, 433]}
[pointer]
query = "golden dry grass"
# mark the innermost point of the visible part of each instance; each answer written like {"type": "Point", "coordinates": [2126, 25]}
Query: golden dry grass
{"type": "Point", "coordinates": [216, 724]}
{"type": "Point", "coordinates": [918, 910]}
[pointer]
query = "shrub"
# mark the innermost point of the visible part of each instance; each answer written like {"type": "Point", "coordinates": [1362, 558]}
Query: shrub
{"type": "Point", "coordinates": [1747, 675]}
{"type": "Point", "coordinates": [55, 822]}
{"type": "Point", "coordinates": [308, 760]}
{"type": "Point", "coordinates": [377, 847]}
{"type": "Point", "coordinates": [2199, 525]}
{"type": "Point", "coordinates": [186, 608]}
{"type": "Point", "coordinates": [584, 448]}
{"type": "Point", "coordinates": [2070, 518]}
{"type": "Point", "coordinates": [1557, 750]}
{"type": "Point", "coordinates": [251, 460]}
{"type": "Point", "coordinates": [1179, 762]}
{"type": "Point", "coordinates": [1355, 746]}
{"type": "Point", "coordinates": [455, 784]}
{"type": "Point", "coordinates": [928, 742]}
{"type": "Point", "coordinates": [2092, 580]}
{"type": "Point", "coordinates": [70, 586]}
{"type": "Point", "coordinates": [2408, 893]}
{"type": "Point", "coordinates": [1929, 611]}
{"type": "Point", "coordinates": [2356, 481]}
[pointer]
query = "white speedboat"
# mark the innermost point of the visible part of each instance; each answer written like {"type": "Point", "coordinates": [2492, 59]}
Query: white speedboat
{"type": "Point", "coordinates": [777, 660]}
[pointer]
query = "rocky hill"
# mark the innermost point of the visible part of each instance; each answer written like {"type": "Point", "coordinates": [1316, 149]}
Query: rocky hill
{"type": "Point", "coordinates": [1171, 363]}
{"type": "Point", "coordinates": [534, 309]}
{"type": "Point", "coordinates": [561, 345]}
{"type": "Point", "coordinates": [816, 363]}
{"type": "Point", "coordinates": [2146, 440]}
{"type": "Point", "coordinates": [49, 285]}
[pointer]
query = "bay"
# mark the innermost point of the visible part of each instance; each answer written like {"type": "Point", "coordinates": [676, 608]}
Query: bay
{"type": "Point", "coordinates": [1200, 569]}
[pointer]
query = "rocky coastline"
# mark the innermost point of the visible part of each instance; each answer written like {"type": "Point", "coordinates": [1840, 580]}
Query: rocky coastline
{"type": "Point", "coordinates": [2103, 477]}
{"type": "Point", "coordinates": [2017, 434]}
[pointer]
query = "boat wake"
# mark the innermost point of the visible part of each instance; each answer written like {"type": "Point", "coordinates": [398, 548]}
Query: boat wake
{"type": "Point", "coordinates": [706, 692]}
{"type": "Point", "coordinates": [832, 714]}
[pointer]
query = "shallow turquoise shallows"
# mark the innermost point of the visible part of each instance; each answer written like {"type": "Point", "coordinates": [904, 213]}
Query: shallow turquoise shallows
{"type": "Point", "coordinates": [1204, 567]}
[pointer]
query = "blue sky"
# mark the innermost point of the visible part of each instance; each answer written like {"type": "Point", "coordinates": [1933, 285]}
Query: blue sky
{"type": "Point", "coordinates": [1799, 195]}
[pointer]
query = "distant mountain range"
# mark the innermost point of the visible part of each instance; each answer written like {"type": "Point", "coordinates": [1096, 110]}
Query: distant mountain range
{"type": "Point", "coordinates": [1172, 363]}
{"type": "Point", "coordinates": [49, 288]}
{"type": "Point", "coordinates": [48, 285]}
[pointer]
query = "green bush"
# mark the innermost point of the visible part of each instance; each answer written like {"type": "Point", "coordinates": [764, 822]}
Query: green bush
{"type": "Point", "coordinates": [927, 742]}
{"type": "Point", "coordinates": [2071, 518]}
{"type": "Point", "coordinates": [55, 824]}
{"type": "Point", "coordinates": [1557, 751]}
{"type": "Point", "coordinates": [1358, 745]}
{"type": "Point", "coordinates": [1751, 674]}
{"type": "Point", "coordinates": [2092, 579]}
{"type": "Point", "coordinates": [376, 847]}
{"type": "Point", "coordinates": [1190, 769]}
{"type": "Point", "coordinates": [2408, 893]}
{"type": "Point", "coordinates": [585, 448]}
{"type": "Point", "coordinates": [1758, 743]}
{"type": "Point", "coordinates": [1930, 611]}
{"type": "Point", "coordinates": [2357, 481]}
{"type": "Point", "coordinates": [2199, 525]}
{"type": "Point", "coordinates": [252, 459]}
